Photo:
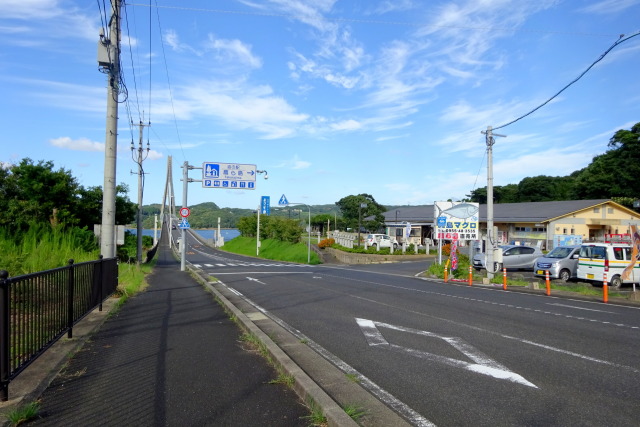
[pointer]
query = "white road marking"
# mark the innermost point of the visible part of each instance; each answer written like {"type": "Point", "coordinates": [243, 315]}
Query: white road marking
{"type": "Point", "coordinates": [387, 398]}
{"type": "Point", "coordinates": [484, 364]}
{"type": "Point", "coordinates": [582, 308]}
{"type": "Point", "coordinates": [255, 280]}
{"type": "Point", "coordinates": [260, 272]}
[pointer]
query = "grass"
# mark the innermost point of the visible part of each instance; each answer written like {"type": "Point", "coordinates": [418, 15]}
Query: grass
{"type": "Point", "coordinates": [24, 414]}
{"type": "Point", "coordinates": [355, 412]}
{"type": "Point", "coordinates": [272, 249]}
{"type": "Point", "coordinates": [42, 247]}
{"type": "Point", "coordinates": [353, 378]}
{"type": "Point", "coordinates": [316, 417]}
{"type": "Point", "coordinates": [131, 279]}
{"type": "Point", "coordinates": [287, 380]}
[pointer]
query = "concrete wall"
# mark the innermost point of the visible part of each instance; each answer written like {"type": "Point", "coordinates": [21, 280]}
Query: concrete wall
{"type": "Point", "coordinates": [352, 258]}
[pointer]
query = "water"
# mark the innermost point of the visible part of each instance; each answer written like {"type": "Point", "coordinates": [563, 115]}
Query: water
{"type": "Point", "coordinates": [227, 233]}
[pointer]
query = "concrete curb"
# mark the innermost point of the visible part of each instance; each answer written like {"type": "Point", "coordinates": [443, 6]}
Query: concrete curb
{"type": "Point", "coordinates": [305, 387]}
{"type": "Point", "coordinates": [328, 386]}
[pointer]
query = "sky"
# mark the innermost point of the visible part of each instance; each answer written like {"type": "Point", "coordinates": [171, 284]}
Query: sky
{"type": "Point", "coordinates": [331, 97]}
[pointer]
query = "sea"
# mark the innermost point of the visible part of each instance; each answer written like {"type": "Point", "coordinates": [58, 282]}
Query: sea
{"type": "Point", "coordinates": [227, 233]}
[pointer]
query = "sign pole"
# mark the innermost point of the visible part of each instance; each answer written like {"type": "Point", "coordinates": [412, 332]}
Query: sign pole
{"type": "Point", "coordinates": [183, 234]}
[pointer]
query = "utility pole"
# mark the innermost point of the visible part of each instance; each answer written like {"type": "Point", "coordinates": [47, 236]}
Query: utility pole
{"type": "Point", "coordinates": [109, 61]}
{"type": "Point", "coordinates": [491, 239]}
{"type": "Point", "coordinates": [141, 156]}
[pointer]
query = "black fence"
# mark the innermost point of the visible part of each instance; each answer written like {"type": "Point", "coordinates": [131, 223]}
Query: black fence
{"type": "Point", "coordinates": [37, 309]}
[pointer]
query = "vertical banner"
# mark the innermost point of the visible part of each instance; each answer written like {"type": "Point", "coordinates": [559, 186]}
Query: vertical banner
{"type": "Point", "coordinates": [265, 205]}
{"type": "Point", "coordinates": [454, 255]}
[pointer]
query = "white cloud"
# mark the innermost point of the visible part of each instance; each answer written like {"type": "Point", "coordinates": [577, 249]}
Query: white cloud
{"type": "Point", "coordinates": [295, 163]}
{"type": "Point", "coordinates": [85, 144]}
{"type": "Point", "coordinates": [347, 125]}
{"type": "Point", "coordinates": [44, 20]}
{"type": "Point", "coordinates": [234, 49]}
{"type": "Point", "coordinates": [80, 144]}
{"type": "Point", "coordinates": [609, 7]}
{"type": "Point", "coordinates": [239, 105]}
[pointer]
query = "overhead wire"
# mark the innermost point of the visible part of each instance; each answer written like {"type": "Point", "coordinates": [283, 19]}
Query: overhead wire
{"type": "Point", "coordinates": [364, 21]}
{"type": "Point", "coordinates": [166, 67]}
{"type": "Point", "coordinates": [620, 40]}
{"type": "Point", "coordinates": [133, 67]}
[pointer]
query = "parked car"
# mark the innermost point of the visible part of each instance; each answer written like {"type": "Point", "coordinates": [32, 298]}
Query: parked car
{"type": "Point", "coordinates": [612, 259]}
{"type": "Point", "coordinates": [513, 257]}
{"type": "Point", "coordinates": [561, 262]}
{"type": "Point", "coordinates": [382, 240]}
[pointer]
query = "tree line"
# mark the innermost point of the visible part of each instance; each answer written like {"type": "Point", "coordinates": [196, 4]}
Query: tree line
{"type": "Point", "coordinates": [613, 175]}
{"type": "Point", "coordinates": [37, 193]}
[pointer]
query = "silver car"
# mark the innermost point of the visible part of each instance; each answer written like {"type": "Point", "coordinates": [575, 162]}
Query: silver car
{"type": "Point", "coordinates": [514, 257]}
{"type": "Point", "coordinates": [561, 262]}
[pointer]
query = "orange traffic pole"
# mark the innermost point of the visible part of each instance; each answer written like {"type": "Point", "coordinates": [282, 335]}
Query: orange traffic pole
{"type": "Point", "coordinates": [470, 276]}
{"type": "Point", "coordinates": [605, 288]}
{"type": "Point", "coordinates": [547, 282]}
{"type": "Point", "coordinates": [504, 278]}
{"type": "Point", "coordinates": [446, 279]}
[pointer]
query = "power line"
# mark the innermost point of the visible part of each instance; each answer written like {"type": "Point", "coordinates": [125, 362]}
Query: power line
{"type": "Point", "coordinates": [368, 21]}
{"type": "Point", "coordinates": [620, 40]}
{"type": "Point", "coordinates": [166, 67]}
{"type": "Point", "coordinates": [133, 68]}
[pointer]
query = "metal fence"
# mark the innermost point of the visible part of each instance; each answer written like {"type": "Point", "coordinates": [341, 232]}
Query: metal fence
{"type": "Point", "coordinates": [37, 309]}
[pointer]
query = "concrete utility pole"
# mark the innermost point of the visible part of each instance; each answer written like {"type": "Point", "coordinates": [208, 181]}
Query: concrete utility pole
{"type": "Point", "coordinates": [491, 239]}
{"type": "Point", "coordinates": [109, 60]}
{"type": "Point", "coordinates": [141, 156]}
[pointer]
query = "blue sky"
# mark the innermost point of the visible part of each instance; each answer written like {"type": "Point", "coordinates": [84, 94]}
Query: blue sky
{"type": "Point", "coordinates": [332, 98]}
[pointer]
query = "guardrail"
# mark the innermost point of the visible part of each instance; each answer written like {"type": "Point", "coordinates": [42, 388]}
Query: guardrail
{"type": "Point", "coordinates": [39, 308]}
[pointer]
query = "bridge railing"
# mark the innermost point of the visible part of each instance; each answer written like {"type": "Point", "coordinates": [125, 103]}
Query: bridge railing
{"type": "Point", "coordinates": [37, 309]}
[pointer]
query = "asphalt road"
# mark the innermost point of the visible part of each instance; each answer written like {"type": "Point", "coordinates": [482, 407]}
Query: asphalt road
{"type": "Point", "coordinates": [449, 354]}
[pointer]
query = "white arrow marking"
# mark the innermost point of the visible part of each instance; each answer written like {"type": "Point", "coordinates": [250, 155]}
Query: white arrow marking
{"type": "Point", "coordinates": [484, 364]}
{"type": "Point", "coordinates": [255, 280]}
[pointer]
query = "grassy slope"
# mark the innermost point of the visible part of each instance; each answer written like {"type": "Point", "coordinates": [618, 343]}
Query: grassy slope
{"type": "Point", "coordinates": [271, 249]}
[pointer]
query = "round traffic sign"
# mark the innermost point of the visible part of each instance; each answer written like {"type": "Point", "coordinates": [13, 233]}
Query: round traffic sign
{"type": "Point", "coordinates": [184, 212]}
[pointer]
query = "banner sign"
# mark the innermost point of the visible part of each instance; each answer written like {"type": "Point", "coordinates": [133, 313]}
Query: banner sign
{"type": "Point", "coordinates": [456, 220]}
{"type": "Point", "coordinates": [265, 205]}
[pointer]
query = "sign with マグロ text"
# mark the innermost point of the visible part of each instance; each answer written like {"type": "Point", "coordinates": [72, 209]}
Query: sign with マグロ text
{"type": "Point", "coordinates": [456, 220]}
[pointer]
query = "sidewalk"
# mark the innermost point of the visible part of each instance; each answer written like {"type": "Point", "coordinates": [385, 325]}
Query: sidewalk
{"type": "Point", "coordinates": [171, 356]}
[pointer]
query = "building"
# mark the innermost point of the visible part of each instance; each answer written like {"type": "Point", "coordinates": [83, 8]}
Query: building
{"type": "Point", "coordinates": [547, 224]}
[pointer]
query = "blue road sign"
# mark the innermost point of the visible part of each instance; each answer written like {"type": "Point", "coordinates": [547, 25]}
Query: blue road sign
{"type": "Point", "coordinates": [233, 176]}
{"type": "Point", "coordinates": [265, 205]}
{"type": "Point", "coordinates": [283, 201]}
{"type": "Point", "coordinates": [184, 223]}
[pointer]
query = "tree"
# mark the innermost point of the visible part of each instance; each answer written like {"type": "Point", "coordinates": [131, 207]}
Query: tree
{"type": "Point", "coordinates": [89, 210]}
{"type": "Point", "coordinates": [351, 211]}
{"type": "Point", "coordinates": [37, 193]}
{"type": "Point", "coordinates": [614, 173]}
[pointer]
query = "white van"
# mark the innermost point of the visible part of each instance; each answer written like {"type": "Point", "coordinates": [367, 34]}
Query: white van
{"type": "Point", "coordinates": [611, 258]}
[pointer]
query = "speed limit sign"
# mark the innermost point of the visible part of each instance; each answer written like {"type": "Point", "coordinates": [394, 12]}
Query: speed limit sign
{"type": "Point", "coordinates": [184, 212]}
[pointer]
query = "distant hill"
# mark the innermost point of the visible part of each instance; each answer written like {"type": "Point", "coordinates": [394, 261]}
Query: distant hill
{"type": "Point", "coordinates": [205, 215]}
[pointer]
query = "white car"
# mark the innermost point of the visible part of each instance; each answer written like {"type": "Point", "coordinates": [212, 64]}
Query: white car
{"type": "Point", "coordinates": [513, 257]}
{"type": "Point", "coordinates": [381, 240]}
